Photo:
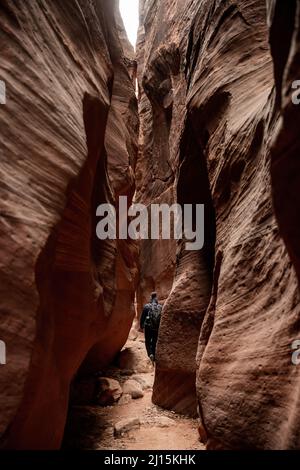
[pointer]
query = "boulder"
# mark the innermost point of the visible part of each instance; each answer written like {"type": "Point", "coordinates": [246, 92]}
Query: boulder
{"type": "Point", "coordinates": [145, 380]}
{"type": "Point", "coordinates": [135, 359]}
{"type": "Point", "coordinates": [108, 391]}
{"type": "Point", "coordinates": [133, 388]}
{"type": "Point", "coordinates": [125, 399]}
{"type": "Point", "coordinates": [125, 426]}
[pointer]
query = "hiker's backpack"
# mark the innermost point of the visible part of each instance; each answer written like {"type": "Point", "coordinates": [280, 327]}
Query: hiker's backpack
{"type": "Point", "coordinates": [153, 317]}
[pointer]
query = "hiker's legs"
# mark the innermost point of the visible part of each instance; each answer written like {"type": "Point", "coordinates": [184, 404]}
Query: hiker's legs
{"type": "Point", "coordinates": [148, 340]}
{"type": "Point", "coordinates": [154, 341]}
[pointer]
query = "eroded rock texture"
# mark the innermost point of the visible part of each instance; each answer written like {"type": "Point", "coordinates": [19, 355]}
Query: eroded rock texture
{"type": "Point", "coordinates": [155, 170]}
{"type": "Point", "coordinates": [215, 82]}
{"type": "Point", "coordinates": [71, 114]}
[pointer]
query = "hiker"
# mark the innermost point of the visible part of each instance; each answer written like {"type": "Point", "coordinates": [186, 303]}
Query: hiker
{"type": "Point", "coordinates": [150, 321]}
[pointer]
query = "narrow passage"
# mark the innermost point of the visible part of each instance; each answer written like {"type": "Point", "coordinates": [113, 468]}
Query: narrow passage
{"type": "Point", "coordinates": [131, 424]}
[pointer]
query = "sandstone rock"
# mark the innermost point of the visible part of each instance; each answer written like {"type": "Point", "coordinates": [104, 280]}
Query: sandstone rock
{"type": "Point", "coordinates": [125, 426]}
{"type": "Point", "coordinates": [145, 380]}
{"type": "Point", "coordinates": [133, 388]}
{"type": "Point", "coordinates": [216, 112]}
{"type": "Point", "coordinates": [125, 399]}
{"type": "Point", "coordinates": [68, 144]}
{"type": "Point", "coordinates": [285, 47]}
{"type": "Point", "coordinates": [285, 171]}
{"type": "Point", "coordinates": [133, 336]}
{"type": "Point", "coordinates": [164, 144]}
{"type": "Point", "coordinates": [134, 360]}
{"type": "Point", "coordinates": [126, 372]}
{"type": "Point", "coordinates": [108, 391]}
{"type": "Point", "coordinates": [215, 86]}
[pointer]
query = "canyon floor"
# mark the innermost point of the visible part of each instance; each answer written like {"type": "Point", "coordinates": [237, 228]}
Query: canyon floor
{"type": "Point", "coordinates": [156, 429]}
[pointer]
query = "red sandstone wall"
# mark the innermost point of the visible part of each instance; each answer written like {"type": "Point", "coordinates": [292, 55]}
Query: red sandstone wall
{"type": "Point", "coordinates": [219, 74]}
{"type": "Point", "coordinates": [63, 293]}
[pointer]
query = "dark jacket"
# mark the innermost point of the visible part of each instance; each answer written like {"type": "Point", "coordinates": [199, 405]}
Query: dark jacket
{"type": "Point", "coordinates": [146, 309]}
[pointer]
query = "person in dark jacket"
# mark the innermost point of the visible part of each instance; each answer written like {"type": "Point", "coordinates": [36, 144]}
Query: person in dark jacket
{"type": "Point", "coordinates": [150, 321]}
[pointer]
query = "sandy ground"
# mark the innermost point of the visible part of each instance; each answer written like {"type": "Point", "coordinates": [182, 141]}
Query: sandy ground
{"type": "Point", "coordinates": [93, 427]}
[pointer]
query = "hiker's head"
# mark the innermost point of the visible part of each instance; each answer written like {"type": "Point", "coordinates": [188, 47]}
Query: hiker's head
{"type": "Point", "coordinates": [154, 297]}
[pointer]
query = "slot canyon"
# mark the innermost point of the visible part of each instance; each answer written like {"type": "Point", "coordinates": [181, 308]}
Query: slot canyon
{"type": "Point", "coordinates": [200, 113]}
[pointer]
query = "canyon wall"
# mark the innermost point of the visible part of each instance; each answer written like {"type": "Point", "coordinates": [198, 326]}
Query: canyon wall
{"type": "Point", "coordinates": [68, 143]}
{"type": "Point", "coordinates": [217, 127]}
{"type": "Point", "coordinates": [218, 121]}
